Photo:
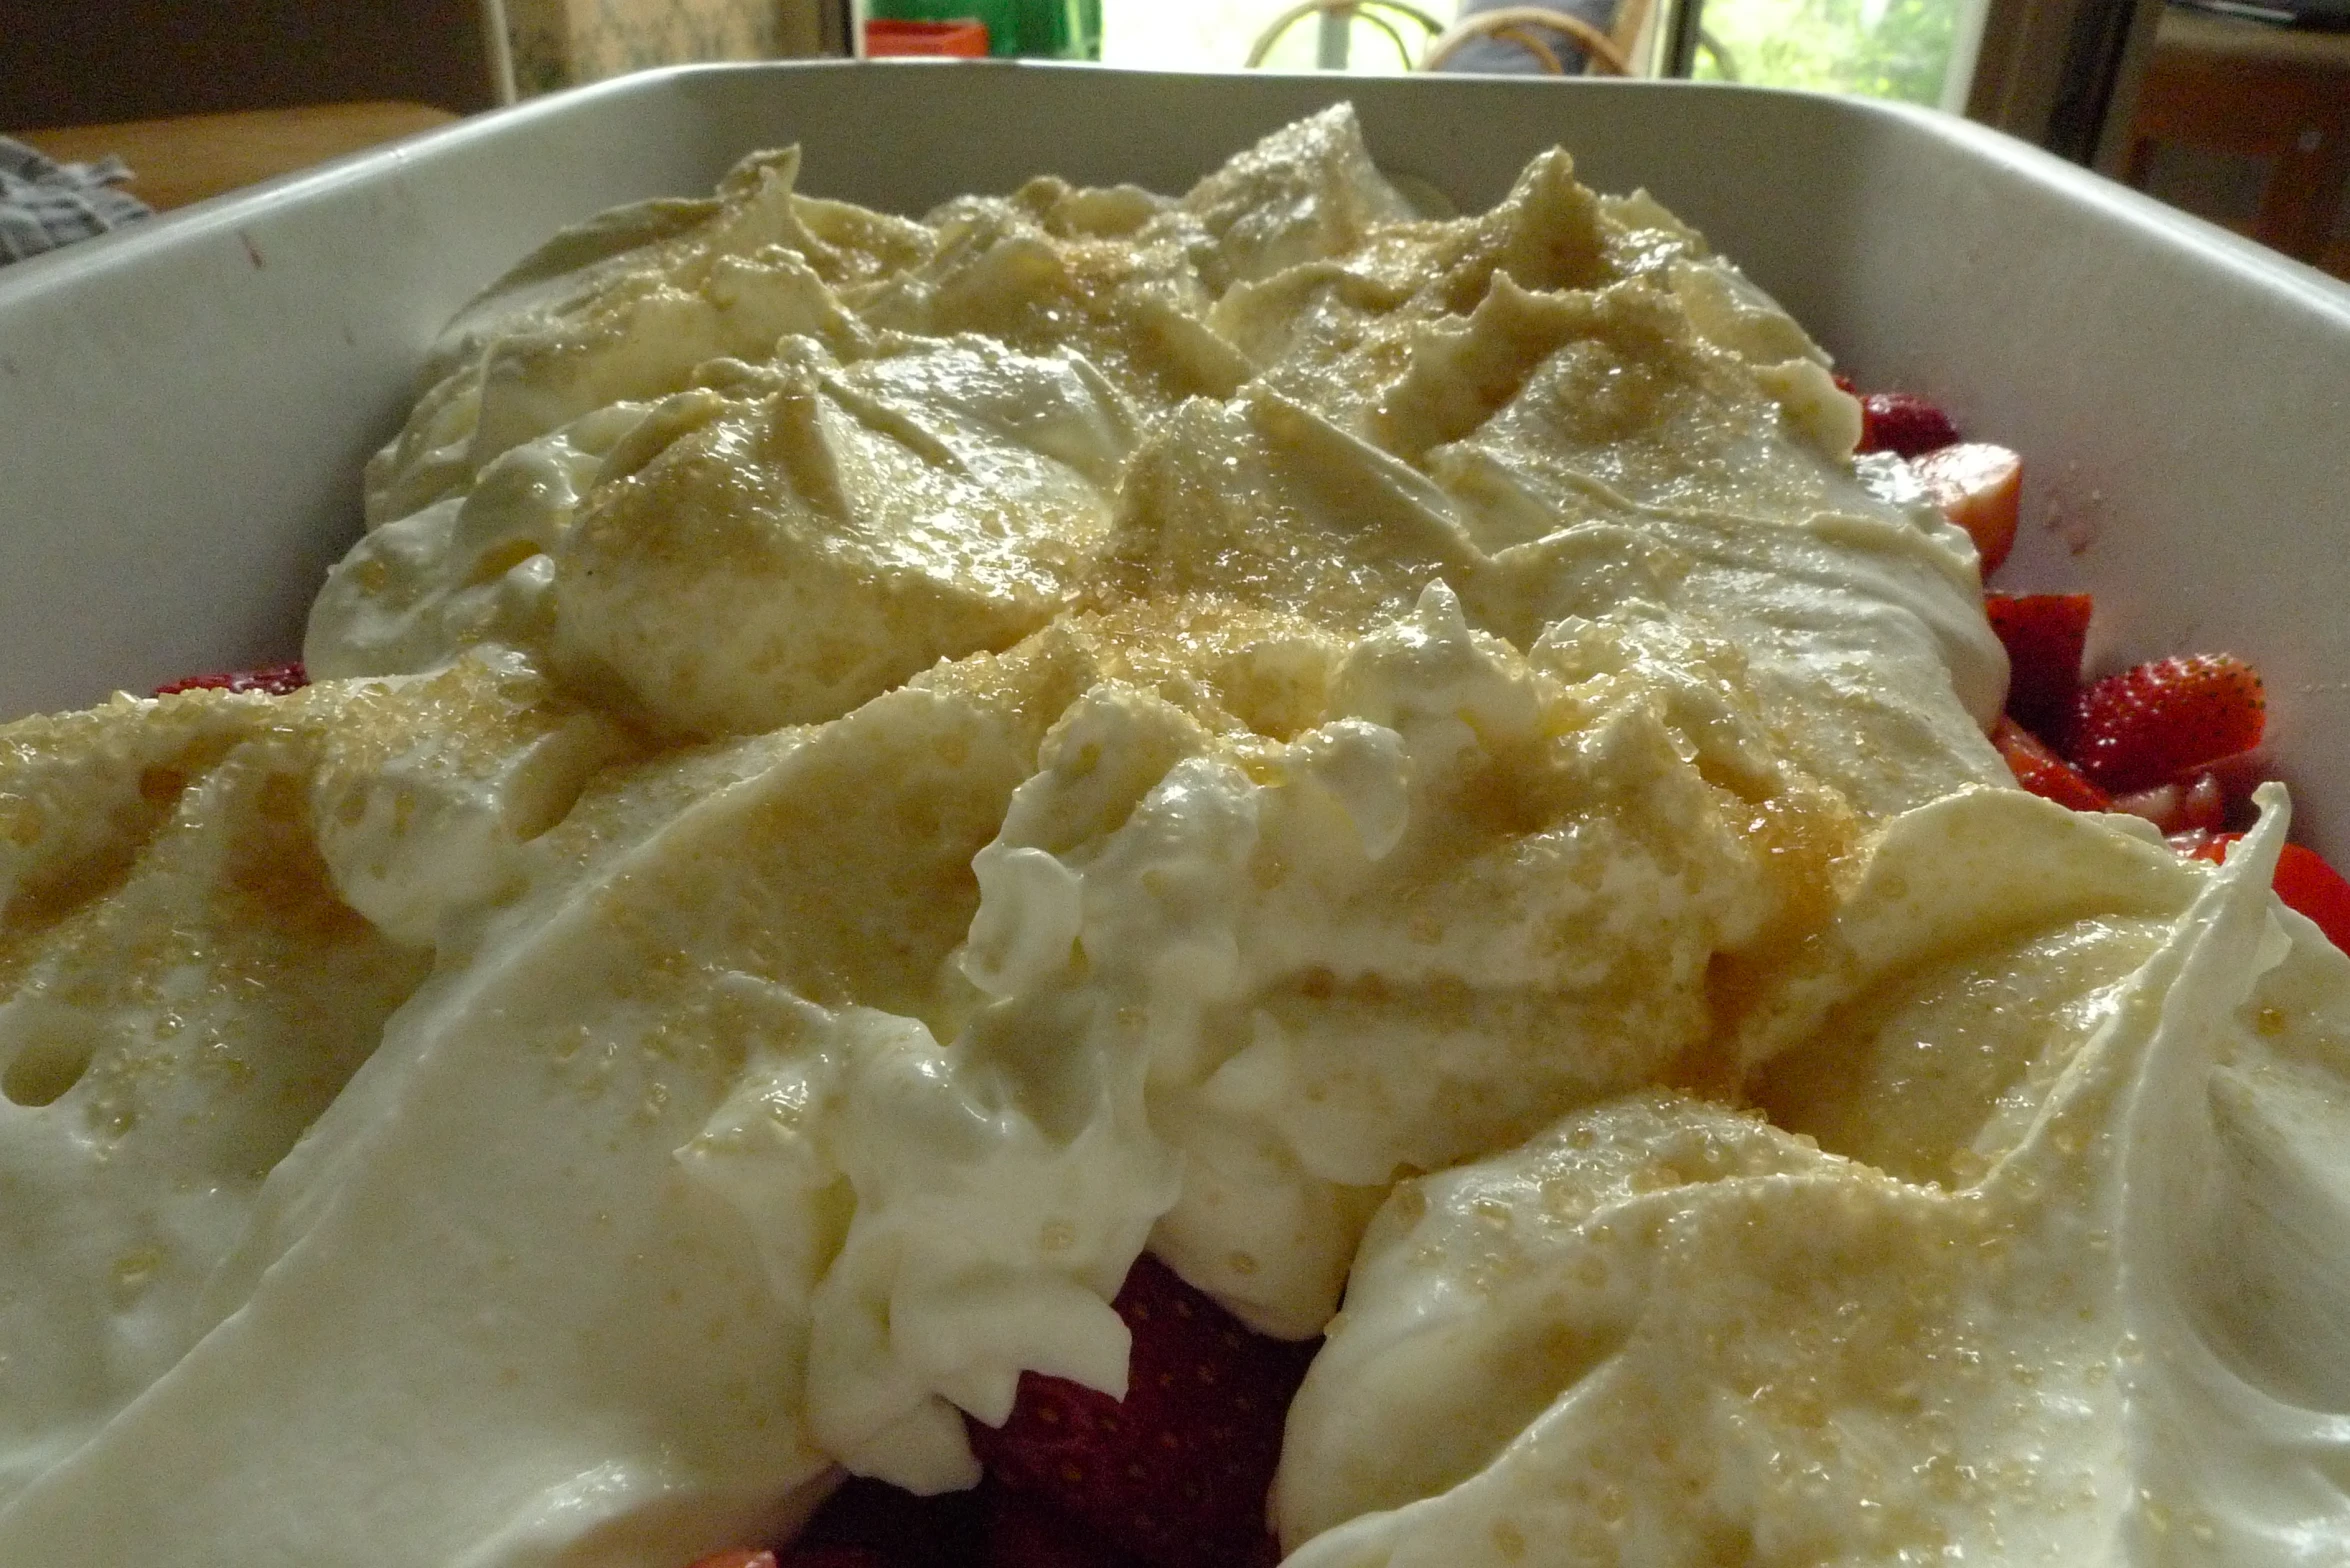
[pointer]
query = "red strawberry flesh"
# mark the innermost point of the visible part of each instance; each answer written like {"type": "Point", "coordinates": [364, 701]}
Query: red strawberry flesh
{"type": "Point", "coordinates": [2304, 880]}
{"type": "Point", "coordinates": [1177, 1473]}
{"type": "Point", "coordinates": [2196, 805]}
{"type": "Point", "coordinates": [828, 1556]}
{"type": "Point", "coordinates": [277, 680]}
{"type": "Point", "coordinates": [891, 1528]}
{"type": "Point", "coordinates": [1024, 1532]}
{"type": "Point", "coordinates": [2043, 772]}
{"type": "Point", "coordinates": [2309, 884]}
{"type": "Point", "coordinates": [1980, 487]}
{"type": "Point", "coordinates": [1905, 423]}
{"type": "Point", "coordinates": [2043, 634]}
{"type": "Point", "coordinates": [2157, 722]}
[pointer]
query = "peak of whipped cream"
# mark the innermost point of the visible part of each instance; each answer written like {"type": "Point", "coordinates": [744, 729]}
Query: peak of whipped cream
{"type": "Point", "coordinates": [867, 770]}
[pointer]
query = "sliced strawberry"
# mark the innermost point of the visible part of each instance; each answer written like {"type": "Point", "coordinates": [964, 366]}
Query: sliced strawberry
{"type": "Point", "coordinates": [2043, 634]}
{"type": "Point", "coordinates": [1905, 423]}
{"type": "Point", "coordinates": [1177, 1473]}
{"type": "Point", "coordinates": [1023, 1532]}
{"type": "Point", "coordinates": [2309, 884]}
{"type": "Point", "coordinates": [276, 679]}
{"type": "Point", "coordinates": [1980, 487]}
{"type": "Point", "coordinates": [2042, 771]}
{"type": "Point", "coordinates": [2157, 722]}
{"type": "Point", "coordinates": [871, 1524]}
{"type": "Point", "coordinates": [2204, 846]}
{"type": "Point", "coordinates": [2304, 880]}
{"type": "Point", "coordinates": [820, 1555]}
{"type": "Point", "coordinates": [2196, 805]}
{"type": "Point", "coordinates": [2236, 777]}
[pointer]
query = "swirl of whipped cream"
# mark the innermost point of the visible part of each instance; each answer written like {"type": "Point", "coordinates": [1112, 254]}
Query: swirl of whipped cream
{"type": "Point", "coordinates": [2022, 1294]}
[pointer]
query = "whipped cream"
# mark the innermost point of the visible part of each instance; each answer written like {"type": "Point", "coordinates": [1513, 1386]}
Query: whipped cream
{"type": "Point", "coordinates": [865, 771]}
{"type": "Point", "coordinates": [2030, 1263]}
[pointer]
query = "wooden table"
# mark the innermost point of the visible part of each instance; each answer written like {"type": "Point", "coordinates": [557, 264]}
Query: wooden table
{"type": "Point", "coordinates": [2280, 95]}
{"type": "Point", "coordinates": [186, 159]}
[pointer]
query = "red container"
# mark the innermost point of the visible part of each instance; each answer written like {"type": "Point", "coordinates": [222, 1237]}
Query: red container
{"type": "Point", "coordinates": [884, 39]}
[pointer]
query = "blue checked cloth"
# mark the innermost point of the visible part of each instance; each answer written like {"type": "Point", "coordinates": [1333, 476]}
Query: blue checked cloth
{"type": "Point", "coordinates": [45, 204]}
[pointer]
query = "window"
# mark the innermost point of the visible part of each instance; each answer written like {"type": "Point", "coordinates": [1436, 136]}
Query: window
{"type": "Point", "coordinates": [1877, 48]}
{"type": "Point", "coordinates": [1903, 49]}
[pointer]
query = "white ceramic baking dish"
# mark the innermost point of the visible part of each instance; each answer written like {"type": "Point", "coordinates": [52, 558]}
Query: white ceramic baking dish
{"type": "Point", "coordinates": [184, 408]}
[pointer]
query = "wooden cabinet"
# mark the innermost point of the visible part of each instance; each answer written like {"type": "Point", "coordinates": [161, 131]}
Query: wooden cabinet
{"type": "Point", "coordinates": [72, 62]}
{"type": "Point", "coordinates": [2275, 95]}
{"type": "Point", "coordinates": [187, 158]}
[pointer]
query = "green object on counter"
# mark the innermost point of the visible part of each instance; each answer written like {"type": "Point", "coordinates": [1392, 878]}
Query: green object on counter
{"type": "Point", "coordinates": [1050, 29]}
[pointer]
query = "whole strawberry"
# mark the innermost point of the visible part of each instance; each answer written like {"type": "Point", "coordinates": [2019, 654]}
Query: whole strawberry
{"type": "Point", "coordinates": [1905, 423]}
{"type": "Point", "coordinates": [2154, 722]}
{"type": "Point", "coordinates": [1176, 1474]}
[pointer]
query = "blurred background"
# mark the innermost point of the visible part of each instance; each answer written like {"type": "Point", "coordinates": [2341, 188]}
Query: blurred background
{"type": "Point", "coordinates": [2238, 110]}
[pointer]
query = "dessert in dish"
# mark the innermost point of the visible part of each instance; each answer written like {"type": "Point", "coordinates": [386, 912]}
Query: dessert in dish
{"type": "Point", "coordinates": [866, 772]}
